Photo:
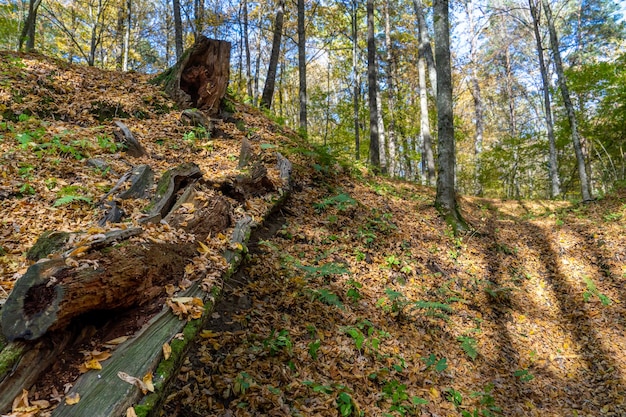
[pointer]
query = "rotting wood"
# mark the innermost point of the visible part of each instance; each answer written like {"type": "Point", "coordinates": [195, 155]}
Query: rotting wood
{"type": "Point", "coordinates": [124, 136]}
{"type": "Point", "coordinates": [200, 78]}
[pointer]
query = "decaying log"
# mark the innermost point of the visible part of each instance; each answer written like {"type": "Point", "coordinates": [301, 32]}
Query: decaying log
{"type": "Point", "coordinates": [195, 117]}
{"type": "Point", "coordinates": [141, 179]}
{"type": "Point", "coordinates": [170, 183]}
{"type": "Point", "coordinates": [124, 136]}
{"type": "Point", "coordinates": [200, 77]}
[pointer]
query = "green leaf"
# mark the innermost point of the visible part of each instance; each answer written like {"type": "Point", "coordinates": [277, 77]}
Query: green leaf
{"type": "Point", "coordinates": [468, 344]}
{"type": "Point", "coordinates": [267, 146]}
{"type": "Point", "coordinates": [418, 401]}
{"type": "Point", "coordinates": [70, 199]}
{"type": "Point", "coordinates": [314, 347]}
{"type": "Point", "coordinates": [442, 365]}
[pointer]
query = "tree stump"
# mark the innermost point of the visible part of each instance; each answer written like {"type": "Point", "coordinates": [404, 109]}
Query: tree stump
{"type": "Point", "coordinates": [200, 77]}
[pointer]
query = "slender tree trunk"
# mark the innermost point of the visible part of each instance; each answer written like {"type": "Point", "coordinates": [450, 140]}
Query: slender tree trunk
{"type": "Point", "coordinates": [28, 30]}
{"type": "Point", "coordinates": [270, 81]}
{"type": "Point", "coordinates": [425, 60]}
{"type": "Point", "coordinates": [476, 96]}
{"type": "Point", "coordinates": [555, 182]}
{"type": "Point", "coordinates": [198, 8]}
{"type": "Point", "coordinates": [508, 86]}
{"type": "Point", "coordinates": [445, 200]}
{"type": "Point", "coordinates": [585, 187]}
{"type": "Point", "coordinates": [372, 88]}
{"type": "Point", "coordinates": [357, 81]}
{"type": "Point", "coordinates": [129, 7]}
{"type": "Point", "coordinates": [424, 44]}
{"type": "Point", "coordinates": [119, 38]}
{"type": "Point", "coordinates": [178, 29]}
{"type": "Point", "coordinates": [382, 139]}
{"type": "Point", "coordinates": [302, 67]}
{"type": "Point", "coordinates": [391, 91]}
{"type": "Point", "coordinates": [246, 41]}
{"type": "Point", "coordinates": [428, 162]}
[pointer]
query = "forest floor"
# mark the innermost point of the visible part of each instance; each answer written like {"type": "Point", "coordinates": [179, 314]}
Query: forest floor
{"type": "Point", "coordinates": [356, 298]}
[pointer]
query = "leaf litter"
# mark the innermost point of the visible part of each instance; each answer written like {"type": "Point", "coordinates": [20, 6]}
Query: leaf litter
{"type": "Point", "coordinates": [361, 300]}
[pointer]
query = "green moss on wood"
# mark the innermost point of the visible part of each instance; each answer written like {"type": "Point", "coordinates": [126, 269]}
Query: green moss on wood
{"type": "Point", "coordinates": [47, 243]}
{"type": "Point", "coordinates": [9, 357]}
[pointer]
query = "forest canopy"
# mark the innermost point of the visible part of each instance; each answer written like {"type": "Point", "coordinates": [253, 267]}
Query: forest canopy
{"type": "Point", "coordinates": [538, 85]}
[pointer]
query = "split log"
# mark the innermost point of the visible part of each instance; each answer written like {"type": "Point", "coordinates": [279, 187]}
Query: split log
{"type": "Point", "coordinates": [124, 136]}
{"type": "Point", "coordinates": [199, 79]}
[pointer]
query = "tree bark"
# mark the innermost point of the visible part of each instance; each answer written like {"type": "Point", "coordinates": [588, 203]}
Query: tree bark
{"type": "Point", "coordinates": [198, 11]}
{"type": "Point", "coordinates": [372, 88]}
{"type": "Point", "coordinates": [585, 187]}
{"type": "Point", "coordinates": [28, 31]}
{"type": "Point", "coordinates": [178, 29]}
{"type": "Point", "coordinates": [424, 45]}
{"type": "Point", "coordinates": [246, 41]}
{"type": "Point", "coordinates": [391, 95]}
{"type": "Point", "coordinates": [270, 81]}
{"type": "Point", "coordinates": [555, 182]}
{"type": "Point", "coordinates": [445, 200]}
{"type": "Point", "coordinates": [428, 163]}
{"type": "Point", "coordinates": [126, 46]}
{"type": "Point", "coordinates": [302, 67]}
{"type": "Point", "coordinates": [200, 78]}
{"type": "Point", "coordinates": [357, 82]}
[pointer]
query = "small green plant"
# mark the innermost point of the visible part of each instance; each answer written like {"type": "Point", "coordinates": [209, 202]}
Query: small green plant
{"type": "Point", "coordinates": [324, 270]}
{"type": "Point", "coordinates": [107, 143]}
{"type": "Point", "coordinates": [198, 133]}
{"type": "Point", "coordinates": [26, 171]}
{"type": "Point", "coordinates": [69, 194]}
{"type": "Point", "coordinates": [488, 407]}
{"type": "Point", "coordinates": [392, 261]}
{"type": "Point", "coordinates": [313, 348]}
{"type": "Point", "coordinates": [440, 364]}
{"type": "Point", "coordinates": [340, 201]}
{"type": "Point", "coordinates": [345, 404]}
{"type": "Point", "coordinates": [524, 375]}
{"type": "Point", "coordinates": [353, 292]}
{"type": "Point", "coordinates": [454, 396]}
{"type": "Point", "coordinates": [324, 389]}
{"type": "Point", "coordinates": [277, 342]}
{"type": "Point", "coordinates": [593, 290]}
{"type": "Point", "coordinates": [468, 344]}
{"type": "Point", "coordinates": [327, 297]}
{"type": "Point", "coordinates": [242, 383]}
{"type": "Point", "coordinates": [26, 189]}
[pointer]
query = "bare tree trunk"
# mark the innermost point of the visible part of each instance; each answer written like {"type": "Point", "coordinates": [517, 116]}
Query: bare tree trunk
{"type": "Point", "coordinates": [427, 141]}
{"type": "Point", "coordinates": [424, 44]}
{"type": "Point", "coordinates": [28, 31]}
{"type": "Point", "coordinates": [270, 81]}
{"type": "Point", "coordinates": [198, 7]}
{"type": "Point", "coordinates": [391, 87]}
{"type": "Point", "coordinates": [445, 200]}
{"type": "Point", "coordinates": [476, 96]}
{"type": "Point", "coordinates": [257, 63]}
{"type": "Point", "coordinates": [246, 40]}
{"type": "Point", "coordinates": [508, 85]}
{"type": "Point", "coordinates": [302, 67]}
{"type": "Point", "coordinates": [585, 187]}
{"type": "Point", "coordinates": [357, 81]}
{"type": "Point", "coordinates": [555, 182]}
{"type": "Point", "coordinates": [372, 88]}
{"type": "Point", "coordinates": [129, 5]}
{"type": "Point", "coordinates": [178, 29]}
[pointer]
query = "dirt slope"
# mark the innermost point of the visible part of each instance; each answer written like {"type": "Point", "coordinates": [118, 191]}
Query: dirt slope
{"type": "Point", "coordinates": [357, 300]}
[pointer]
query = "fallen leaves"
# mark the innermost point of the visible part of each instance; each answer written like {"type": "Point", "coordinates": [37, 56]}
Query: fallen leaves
{"type": "Point", "coordinates": [144, 384]}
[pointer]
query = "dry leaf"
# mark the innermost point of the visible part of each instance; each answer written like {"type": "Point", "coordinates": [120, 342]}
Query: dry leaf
{"type": "Point", "coordinates": [130, 412]}
{"type": "Point", "coordinates": [167, 351]}
{"type": "Point", "coordinates": [72, 398]}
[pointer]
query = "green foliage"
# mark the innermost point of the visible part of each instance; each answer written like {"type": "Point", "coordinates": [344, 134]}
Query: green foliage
{"type": "Point", "coordinates": [454, 396]}
{"type": "Point", "coordinates": [440, 364]}
{"type": "Point", "coordinates": [344, 404]}
{"type": "Point", "coordinates": [327, 297]}
{"type": "Point", "coordinates": [324, 270]}
{"type": "Point", "coordinates": [313, 348]}
{"type": "Point", "coordinates": [324, 389]}
{"type": "Point", "coordinates": [524, 375]}
{"type": "Point", "coordinates": [242, 383]}
{"type": "Point", "coordinates": [593, 290]}
{"type": "Point", "coordinates": [277, 342]}
{"type": "Point", "coordinates": [353, 292]}
{"type": "Point", "coordinates": [340, 201]}
{"type": "Point", "coordinates": [107, 143]}
{"type": "Point", "coordinates": [468, 344]}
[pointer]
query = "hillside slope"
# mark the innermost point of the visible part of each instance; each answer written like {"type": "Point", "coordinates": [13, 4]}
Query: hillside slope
{"type": "Point", "coordinates": [356, 299]}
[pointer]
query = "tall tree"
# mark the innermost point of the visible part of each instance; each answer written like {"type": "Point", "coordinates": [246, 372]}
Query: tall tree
{"type": "Point", "coordinates": [425, 60]}
{"type": "Point", "coordinates": [246, 38]}
{"type": "Point", "coordinates": [270, 80]}
{"type": "Point", "coordinates": [28, 30]}
{"type": "Point", "coordinates": [555, 182]}
{"type": "Point", "coordinates": [585, 186]}
{"type": "Point", "coordinates": [302, 67]}
{"type": "Point", "coordinates": [126, 43]}
{"type": "Point", "coordinates": [391, 94]}
{"type": "Point", "coordinates": [445, 200]}
{"type": "Point", "coordinates": [356, 90]}
{"type": "Point", "coordinates": [372, 87]}
{"type": "Point", "coordinates": [198, 11]}
{"type": "Point", "coordinates": [178, 29]}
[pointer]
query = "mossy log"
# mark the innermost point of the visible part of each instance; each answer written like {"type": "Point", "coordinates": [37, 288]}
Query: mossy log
{"type": "Point", "coordinates": [200, 78]}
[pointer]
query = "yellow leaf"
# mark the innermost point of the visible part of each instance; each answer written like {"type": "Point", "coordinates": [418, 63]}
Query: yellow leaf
{"type": "Point", "coordinates": [434, 394]}
{"type": "Point", "coordinates": [203, 248]}
{"type": "Point", "coordinates": [130, 412]}
{"type": "Point", "coordinates": [207, 334]}
{"type": "Point", "coordinates": [93, 364]}
{"type": "Point", "coordinates": [147, 380]}
{"type": "Point", "coordinates": [116, 341]}
{"type": "Point", "coordinates": [72, 399]}
{"type": "Point", "coordinates": [167, 351]}
{"type": "Point", "coordinates": [21, 400]}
